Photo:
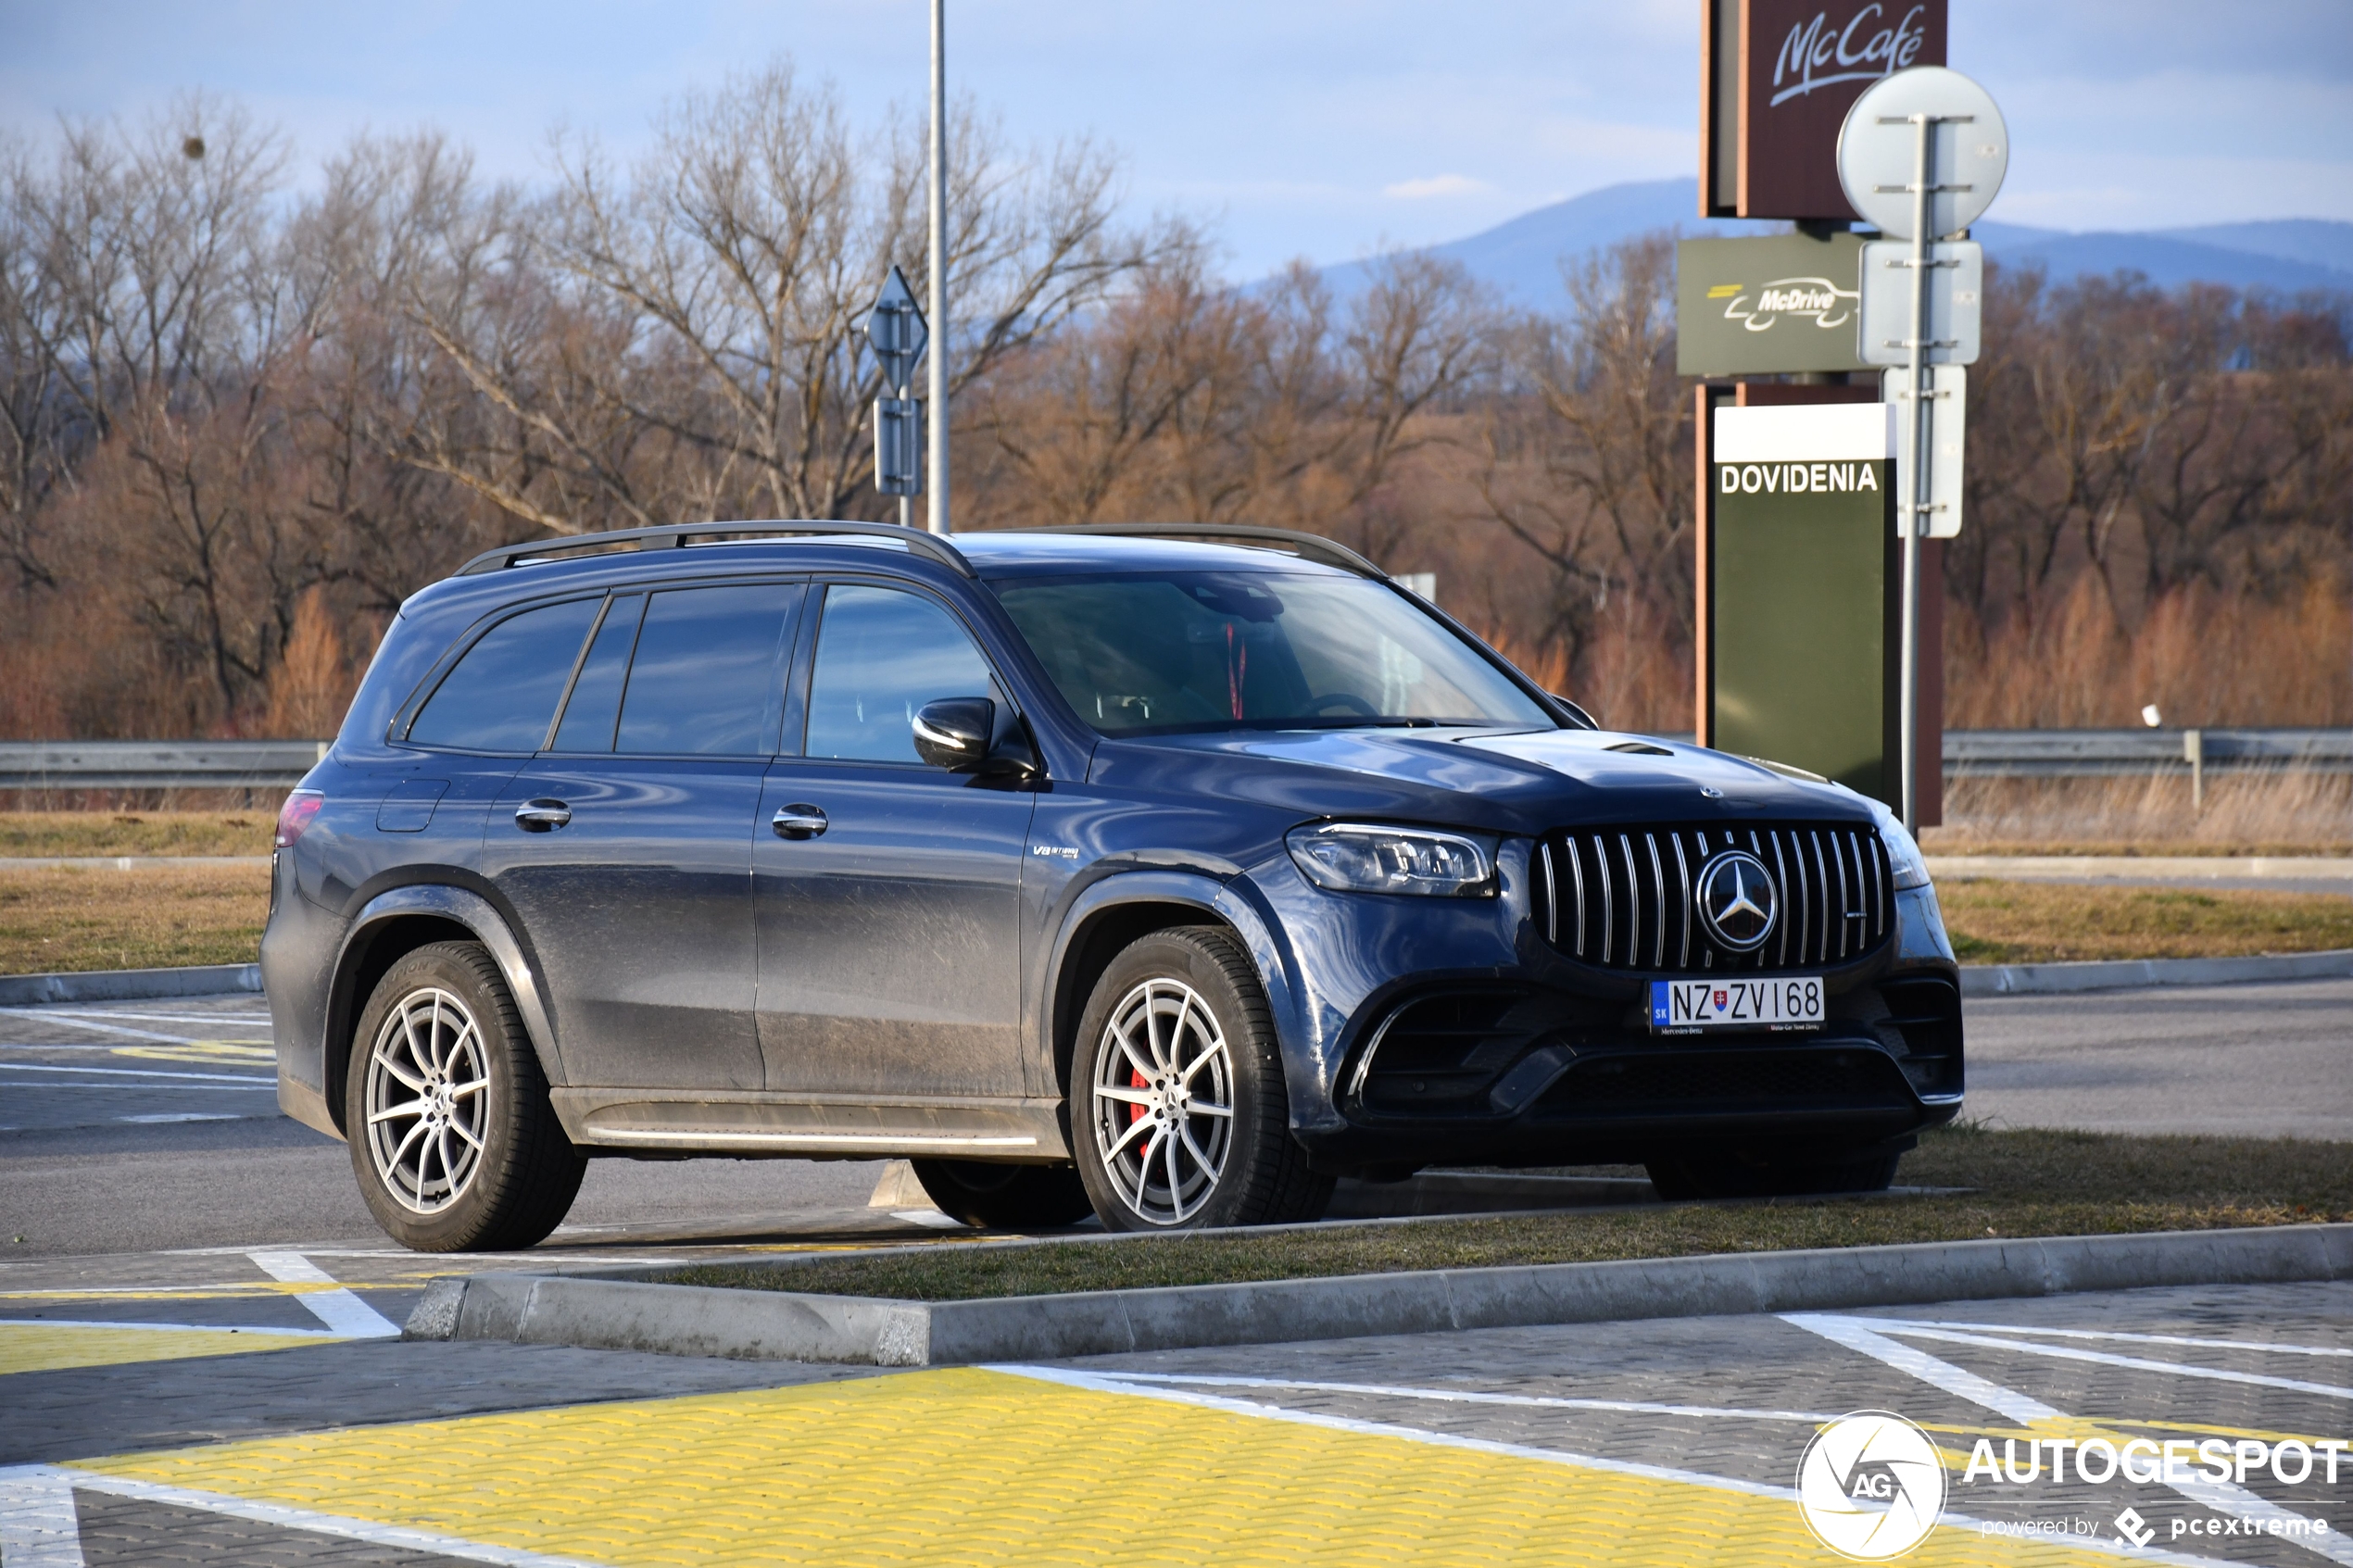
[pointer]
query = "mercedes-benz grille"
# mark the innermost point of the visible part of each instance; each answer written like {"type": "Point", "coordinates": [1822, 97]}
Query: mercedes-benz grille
{"type": "Point", "coordinates": [1625, 897]}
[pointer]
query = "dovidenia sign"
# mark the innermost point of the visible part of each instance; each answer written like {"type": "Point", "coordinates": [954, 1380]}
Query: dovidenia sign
{"type": "Point", "coordinates": [1781, 302]}
{"type": "Point", "coordinates": [1799, 603]}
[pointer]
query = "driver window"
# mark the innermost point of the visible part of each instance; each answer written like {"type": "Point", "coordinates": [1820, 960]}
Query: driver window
{"type": "Point", "coordinates": [882, 654]}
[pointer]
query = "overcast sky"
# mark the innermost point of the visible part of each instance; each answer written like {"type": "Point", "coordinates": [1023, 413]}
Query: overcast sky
{"type": "Point", "coordinates": [1298, 127]}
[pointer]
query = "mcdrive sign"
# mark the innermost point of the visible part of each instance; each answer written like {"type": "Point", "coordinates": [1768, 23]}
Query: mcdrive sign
{"type": "Point", "coordinates": [1779, 78]}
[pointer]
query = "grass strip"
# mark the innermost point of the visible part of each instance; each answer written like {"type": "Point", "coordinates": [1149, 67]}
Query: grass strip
{"type": "Point", "coordinates": [2027, 1183]}
{"type": "Point", "coordinates": [28, 833]}
{"type": "Point", "coordinates": [1999, 922]}
{"type": "Point", "coordinates": [74, 919]}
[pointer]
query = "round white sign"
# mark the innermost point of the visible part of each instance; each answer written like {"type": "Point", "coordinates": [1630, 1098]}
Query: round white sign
{"type": "Point", "coordinates": [1879, 151]}
{"type": "Point", "coordinates": [1871, 1486]}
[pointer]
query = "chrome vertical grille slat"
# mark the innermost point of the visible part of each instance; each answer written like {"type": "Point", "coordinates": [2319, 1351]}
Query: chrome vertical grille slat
{"type": "Point", "coordinates": [1551, 896]}
{"type": "Point", "coordinates": [1659, 920]}
{"type": "Point", "coordinates": [1609, 922]}
{"type": "Point", "coordinates": [1576, 875]}
{"type": "Point", "coordinates": [1683, 878]}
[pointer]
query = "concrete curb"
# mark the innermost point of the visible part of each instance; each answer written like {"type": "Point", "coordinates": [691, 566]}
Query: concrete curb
{"type": "Point", "coordinates": [128, 984]}
{"type": "Point", "coordinates": [2050, 979]}
{"type": "Point", "coordinates": [778, 1326]}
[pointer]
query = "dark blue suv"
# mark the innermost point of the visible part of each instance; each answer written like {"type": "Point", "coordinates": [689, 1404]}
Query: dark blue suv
{"type": "Point", "coordinates": [1090, 870]}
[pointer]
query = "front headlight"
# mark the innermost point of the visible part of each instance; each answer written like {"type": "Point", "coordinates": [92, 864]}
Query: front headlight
{"type": "Point", "coordinates": [1903, 851]}
{"type": "Point", "coordinates": [1364, 858]}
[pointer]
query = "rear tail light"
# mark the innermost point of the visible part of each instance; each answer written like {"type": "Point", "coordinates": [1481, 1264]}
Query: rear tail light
{"type": "Point", "coordinates": [296, 814]}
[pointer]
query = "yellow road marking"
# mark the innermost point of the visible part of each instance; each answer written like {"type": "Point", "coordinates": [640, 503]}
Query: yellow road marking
{"type": "Point", "coordinates": [201, 1050]}
{"type": "Point", "coordinates": [33, 1346]}
{"type": "Point", "coordinates": [970, 1466]}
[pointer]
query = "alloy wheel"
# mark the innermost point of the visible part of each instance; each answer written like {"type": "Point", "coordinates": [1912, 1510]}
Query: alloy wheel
{"type": "Point", "coordinates": [428, 1100]}
{"type": "Point", "coordinates": [1163, 1112]}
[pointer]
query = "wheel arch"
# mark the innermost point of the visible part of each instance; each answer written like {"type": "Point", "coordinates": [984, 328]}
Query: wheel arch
{"type": "Point", "coordinates": [1121, 909]}
{"type": "Point", "coordinates": [398, 922]}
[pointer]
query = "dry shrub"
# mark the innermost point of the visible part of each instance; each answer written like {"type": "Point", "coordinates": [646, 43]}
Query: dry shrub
{"type": "Point", "coordinates": [2202, 657]}
{"type": "Point", "coordinates": [313, 683]}
{"type": "Point", "coordinates": [2254, 811]}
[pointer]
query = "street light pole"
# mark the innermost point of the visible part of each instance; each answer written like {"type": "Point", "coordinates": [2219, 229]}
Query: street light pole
{"type": "Point", "coordinates": [937, 515]}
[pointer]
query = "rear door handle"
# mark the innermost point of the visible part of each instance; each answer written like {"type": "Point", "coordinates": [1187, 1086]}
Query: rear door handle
{"type": "Point", "coordinates": [798, 822]}
{"type": "Point", "coordinates": [542, 816]}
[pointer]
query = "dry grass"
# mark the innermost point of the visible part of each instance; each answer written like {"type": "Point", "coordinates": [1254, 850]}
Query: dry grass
{"type": "Point", "coordinates": [135, 832]}
{"type": "Point", "coordinates": [2054, 921]}
{"type": "Point", "coordinates": [2283, 811]}
{"type": "Point", "coordinates": [2025, 1182]}
{"type": "Point", "coordinates": [69, 919]}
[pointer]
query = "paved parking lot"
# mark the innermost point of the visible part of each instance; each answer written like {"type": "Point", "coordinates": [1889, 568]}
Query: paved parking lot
{"type": "Point", "coordinates": [197, 1365]}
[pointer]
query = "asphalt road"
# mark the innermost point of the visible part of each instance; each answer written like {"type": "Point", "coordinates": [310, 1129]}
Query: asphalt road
{"type": "Point", "coordinates": [2269, 1060]}
{"type": "Point", "coordinates": [138, 1127]}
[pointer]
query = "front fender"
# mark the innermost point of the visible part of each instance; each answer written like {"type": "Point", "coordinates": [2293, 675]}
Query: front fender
{"type": "Point", "coordinates": [1233, 904]}
{"type": "Point", "coordinates": [478, 916]}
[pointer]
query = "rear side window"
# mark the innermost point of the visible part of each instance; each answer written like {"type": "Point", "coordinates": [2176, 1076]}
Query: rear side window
{"type": "Point", "coordinates": [707, 675]}
{"type": "Point", "coordinates": [882, 654]}
{"type": "Point", "coordinates": [502, 695]}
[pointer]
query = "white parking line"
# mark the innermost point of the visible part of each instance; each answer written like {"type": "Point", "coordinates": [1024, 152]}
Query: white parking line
{"type": "Point", "coordinates": [2266, 1346]}
{"type": "Point", "coordinates": [38, 1525]}
{"type": "Point", "coordinates": [133, 1073]}
{"type": "Point", "coordinates": [338, 1309]}
{"type": "Point", "coordinates": [2137, 1364]}
{"type": "Point", "coordinates": [1470, 1397]}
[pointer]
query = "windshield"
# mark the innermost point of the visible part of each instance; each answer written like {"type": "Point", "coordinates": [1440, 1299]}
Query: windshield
{"type": "Point", "coordinates": [1162, 653]}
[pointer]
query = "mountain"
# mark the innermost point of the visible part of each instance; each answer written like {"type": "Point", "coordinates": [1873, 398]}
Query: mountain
{"type": "Point", "coordinates": [1521, 258]}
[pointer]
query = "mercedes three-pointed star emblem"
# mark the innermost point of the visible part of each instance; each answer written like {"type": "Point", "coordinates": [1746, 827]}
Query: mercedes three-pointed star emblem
{"type": "Point", "coordinates": [1737, 901]}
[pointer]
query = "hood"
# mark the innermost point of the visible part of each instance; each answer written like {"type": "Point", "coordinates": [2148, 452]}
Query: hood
{"type": "Point", "coordinates": [1502, 781]}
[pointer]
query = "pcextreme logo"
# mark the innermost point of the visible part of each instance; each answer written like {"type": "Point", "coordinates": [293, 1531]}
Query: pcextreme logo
{"type": "Point", "coordinates": [1871, 1486]}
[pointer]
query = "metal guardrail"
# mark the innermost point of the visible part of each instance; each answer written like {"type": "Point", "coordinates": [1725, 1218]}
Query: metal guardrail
{"type": "Point", "coordinates": [158, 764]}
{"type": "Point", "coordinates": [1985, 754]}
{"type": "Point", "coordinates": [2077, 754]}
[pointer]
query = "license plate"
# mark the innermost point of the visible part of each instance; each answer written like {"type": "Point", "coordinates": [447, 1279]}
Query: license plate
{"type": "Point", "coordinates": [1687, 1007]}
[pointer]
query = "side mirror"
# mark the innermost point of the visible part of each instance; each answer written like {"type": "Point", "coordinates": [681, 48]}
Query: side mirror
{"type": "Point", "coordinates": [953, 732]}
{"type": "Point", "coordinates": [961, 734]}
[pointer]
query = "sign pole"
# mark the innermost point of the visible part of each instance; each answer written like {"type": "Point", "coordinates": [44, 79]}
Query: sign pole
{"type": "Point", "coordinates": [1915, 507]}
{"type": "Point", "coordinates": [937, 514]}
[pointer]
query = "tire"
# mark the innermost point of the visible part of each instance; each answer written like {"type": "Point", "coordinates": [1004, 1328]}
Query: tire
{"type": "Point", "coordinates": [1005, 1198]}
{"type": "Point", "coordinates": [1682, 1179]}
{"type": "Point", "coordinates": [1197, 1032]}
{"type": "Point", "coordinates": [441, 1031]}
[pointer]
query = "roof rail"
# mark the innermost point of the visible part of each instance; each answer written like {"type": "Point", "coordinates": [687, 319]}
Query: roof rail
{"type": "Point", "coordinates": [679, 535]}
{"type": "Point", "coordinates": [1314, 546]}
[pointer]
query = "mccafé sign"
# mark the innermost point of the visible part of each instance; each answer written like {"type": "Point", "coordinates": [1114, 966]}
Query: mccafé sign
{"type": "Point", "coordinates": [1778, 78]}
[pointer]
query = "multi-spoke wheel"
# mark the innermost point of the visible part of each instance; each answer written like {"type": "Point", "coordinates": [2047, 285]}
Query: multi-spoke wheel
{"type": "Point", "coordinates": [1163, 1119]}
{"type": "Point", "coordinates": [1178, 1114]}
{"type": "Point", "coordinates": [427, 1098]}
{"type": "Point", "coordinates": [452, 1135]}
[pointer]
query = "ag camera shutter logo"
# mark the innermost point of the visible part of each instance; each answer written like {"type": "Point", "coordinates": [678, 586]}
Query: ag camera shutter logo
{"type": "Point", "coordinates": [1871, 1486]}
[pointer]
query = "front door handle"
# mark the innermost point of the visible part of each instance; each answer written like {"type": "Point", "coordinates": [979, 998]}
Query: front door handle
{"type": "Point", "coordinates": [542, 816]}
{"type": "Point", "coordinates": [798, 822]}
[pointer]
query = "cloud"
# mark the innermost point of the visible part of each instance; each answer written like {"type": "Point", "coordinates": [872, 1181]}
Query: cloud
{"type": "Point", "coordinates": [1437, 185]}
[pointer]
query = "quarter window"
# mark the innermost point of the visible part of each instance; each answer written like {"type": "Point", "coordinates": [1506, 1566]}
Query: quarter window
{"type": "Point", "coordinates": [502, 695]}
{"type": "Point", "coordinates": [882, 654]}
{"type": "Point", "coordinates": [705, 676]}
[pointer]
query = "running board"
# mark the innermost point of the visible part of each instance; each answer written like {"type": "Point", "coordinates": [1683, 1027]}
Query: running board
{"type": "Point", "coordinates": [751, 1124]}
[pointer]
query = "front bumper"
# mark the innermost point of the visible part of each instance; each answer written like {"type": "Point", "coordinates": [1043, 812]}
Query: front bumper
{"type": "Point", "coordinates": [1478, 1041]}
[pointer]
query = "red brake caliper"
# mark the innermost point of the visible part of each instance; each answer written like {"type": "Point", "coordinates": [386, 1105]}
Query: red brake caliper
{"type": "Point", "coordinates": [1135, 1112]}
